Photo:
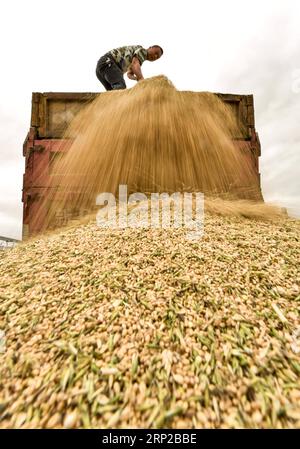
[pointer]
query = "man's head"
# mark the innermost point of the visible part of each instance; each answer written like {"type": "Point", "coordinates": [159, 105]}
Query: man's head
{"type": "Point", "coordinates": [154, 52]}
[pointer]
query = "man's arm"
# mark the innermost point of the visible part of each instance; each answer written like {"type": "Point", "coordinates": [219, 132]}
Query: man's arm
{"type": "Point", "coordinates": [135, 69]}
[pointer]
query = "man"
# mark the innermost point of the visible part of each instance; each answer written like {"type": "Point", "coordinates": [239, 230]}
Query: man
{"type": "Point", "coordinates": [112, 66]}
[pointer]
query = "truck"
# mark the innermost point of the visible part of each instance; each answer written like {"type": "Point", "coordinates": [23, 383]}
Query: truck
{"type": "Point", "coordinates": [51, 114]}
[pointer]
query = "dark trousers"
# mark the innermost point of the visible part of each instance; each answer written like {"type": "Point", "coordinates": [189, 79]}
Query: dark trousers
{"type": "Point", "coordinates": [109, 74]}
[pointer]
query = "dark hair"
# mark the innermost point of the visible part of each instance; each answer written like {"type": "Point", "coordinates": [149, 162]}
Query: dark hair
{"type": "Point", "coordinates": [158, 46]}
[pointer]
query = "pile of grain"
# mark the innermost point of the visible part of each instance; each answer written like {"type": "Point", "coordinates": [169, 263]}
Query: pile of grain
{"type": "Point", "coordinates": [142, 328]}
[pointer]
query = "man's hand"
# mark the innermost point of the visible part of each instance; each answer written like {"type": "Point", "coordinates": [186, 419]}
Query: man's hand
{"type": "Point", "coordinates": [131, 75]}
{"type": "Point", "coordinates": [135, 68]}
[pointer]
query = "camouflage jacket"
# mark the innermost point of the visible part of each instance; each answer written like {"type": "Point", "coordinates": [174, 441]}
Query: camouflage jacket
{"type": "Point", "coordinates": [124, 55]}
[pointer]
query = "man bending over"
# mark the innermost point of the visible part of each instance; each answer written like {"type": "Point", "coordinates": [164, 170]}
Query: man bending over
{"type": "Point", "coordinates": [112, 66]}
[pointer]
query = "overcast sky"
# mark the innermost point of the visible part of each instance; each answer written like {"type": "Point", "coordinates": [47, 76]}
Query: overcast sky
{"type": "Point", "coordinates": [212, 45]}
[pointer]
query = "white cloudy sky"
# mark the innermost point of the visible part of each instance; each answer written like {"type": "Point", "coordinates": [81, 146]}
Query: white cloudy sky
{"type": "Point", "coordinates": [233, 46]}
